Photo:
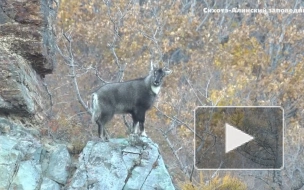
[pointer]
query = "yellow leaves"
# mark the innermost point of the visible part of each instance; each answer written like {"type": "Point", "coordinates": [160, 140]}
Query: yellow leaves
{"type": "Point", "coordinates": [273, 87]}
{"type": "Point", "coordinates": [215, 96]}
{"type": "Point", "coordinates": [230, 90]}
{"type": "Point", "coordinates": [185, 132]}
{"type": "Point", "coordinates": [226, 182]}
{"type": "Point", "coordinates": [172, 33]}
{"type": "Point", "coordinates": [134, 45]}
{"type": "Point", "coordinates": [217, 62]}
{"type": "Point", "coordinates": [238, 50]}
{"type": "Point", "coordinates": [285, 81]}
{"type": "Point", "coordinates": [228, 95]}
{"type": "Point", "coordinates": [188, 186]}
{"type": "Point", "coordinates": [230, 182]}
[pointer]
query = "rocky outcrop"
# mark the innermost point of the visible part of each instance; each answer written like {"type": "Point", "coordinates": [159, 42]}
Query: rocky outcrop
{"type": "Point", "coordinates": [59, 164]}
{"type": "Point", "coordinates": [27, 53]}
{"type": "Point", "coordinates": [120, 165]}
{"type": "Point", "coordinates": [25, 163]}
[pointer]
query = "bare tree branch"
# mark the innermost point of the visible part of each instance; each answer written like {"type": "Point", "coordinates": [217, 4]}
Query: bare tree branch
{"type": "Point", "coordinates": [183, 168]}
{"type": "Point", "coordinates": [71, 63]}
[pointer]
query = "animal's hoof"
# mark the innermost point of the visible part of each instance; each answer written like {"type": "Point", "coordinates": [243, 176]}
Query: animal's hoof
{"type": "Point", "coordinates": [100, 139]}
{"type": "Point", "coordinates": [144, 134]}
{"type": "Point", "coordinates": [96, 139]}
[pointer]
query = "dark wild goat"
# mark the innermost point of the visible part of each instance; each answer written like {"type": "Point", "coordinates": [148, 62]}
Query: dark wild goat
{"type": "Point", "coordinates": [134, 97]}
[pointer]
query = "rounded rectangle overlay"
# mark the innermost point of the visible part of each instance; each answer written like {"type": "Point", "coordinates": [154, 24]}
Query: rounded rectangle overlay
{"type": "Point", "coordinates": [264, 150]}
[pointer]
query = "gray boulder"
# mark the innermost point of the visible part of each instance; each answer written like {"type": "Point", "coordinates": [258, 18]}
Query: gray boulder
{"type": "Point", "coordinates": [22, 161]}
{"type": "Point", "coordinates": [18, 168]}
{"type": "Point", "coordinates": [48, 184]}
{"type": "Point", "coordinates": [25, 163]}
{"type": "Point", "coordinates": [9, 160]}
{"type": "Point", "coordinates": [118, 165]}
{"type": "Point", "coordinates": [60, 162]}
{"type": "Point", "coordinates": [28, 176]}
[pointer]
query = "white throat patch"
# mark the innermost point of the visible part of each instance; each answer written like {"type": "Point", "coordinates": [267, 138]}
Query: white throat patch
{"type": "Point", "coordinates": [155, 89]}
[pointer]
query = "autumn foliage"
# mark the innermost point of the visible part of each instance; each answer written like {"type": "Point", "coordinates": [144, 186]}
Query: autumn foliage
{"type": "Point", "coordinates": [217, 59]}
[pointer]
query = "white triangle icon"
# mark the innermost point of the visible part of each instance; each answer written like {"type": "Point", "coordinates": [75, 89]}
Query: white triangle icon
{"type": "Point", "coordinates": [235, 138]}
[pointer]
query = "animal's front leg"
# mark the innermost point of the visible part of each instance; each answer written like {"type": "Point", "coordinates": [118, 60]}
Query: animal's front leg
{"type": "Point", "coordinates": [142, 129]}
{"type": "Point", "coordinates": [136, 128]}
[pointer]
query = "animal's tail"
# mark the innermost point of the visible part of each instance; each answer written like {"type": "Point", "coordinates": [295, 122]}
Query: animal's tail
{"type": "Point", "coordinates": [95, 107]}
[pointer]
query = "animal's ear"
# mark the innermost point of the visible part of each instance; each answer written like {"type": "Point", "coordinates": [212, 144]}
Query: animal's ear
{"type": "Point", "coordinates": [152, 66]}
{"type": "Point", "coordinates": [167, 71]}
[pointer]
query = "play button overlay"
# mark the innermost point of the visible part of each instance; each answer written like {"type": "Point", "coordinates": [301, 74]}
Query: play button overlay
{"type": "Point", "coordinates": [231, 141]}
{"type": "Point", "coordinates": [238, 138]}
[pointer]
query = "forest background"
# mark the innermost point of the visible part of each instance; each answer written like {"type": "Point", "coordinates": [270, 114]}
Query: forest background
{"type": "Point", "coordinates": [217, 59]}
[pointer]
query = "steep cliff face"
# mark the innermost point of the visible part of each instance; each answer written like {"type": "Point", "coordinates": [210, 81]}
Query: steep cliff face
{"type": "Point", "coordinates": [27, 53]}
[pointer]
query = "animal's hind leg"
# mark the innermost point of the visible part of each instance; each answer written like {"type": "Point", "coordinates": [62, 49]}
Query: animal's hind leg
{"type": "Point", "coordinates": [104, 119]}
{"type": "Point", "coordinates": [101, 130]}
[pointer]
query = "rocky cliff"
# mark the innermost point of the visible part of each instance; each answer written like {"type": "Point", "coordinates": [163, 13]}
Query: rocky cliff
{"type": "Point", "coordinates": [26, 163]}
{"type": "Point", "coordinates": [121, 164]}
{"type": "Point", "coordinates": [31, 161]}
{"type": "Point", "coordinates": [26, 53]}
